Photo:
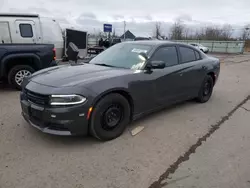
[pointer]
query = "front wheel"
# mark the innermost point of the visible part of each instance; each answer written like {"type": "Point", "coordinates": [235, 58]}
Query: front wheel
{"type": "Point", "coordinates": [206, 89]}
{"type": "Point", "coordinates": [17, 74]}
{"type": "Point", "coordinates": [110, 117]}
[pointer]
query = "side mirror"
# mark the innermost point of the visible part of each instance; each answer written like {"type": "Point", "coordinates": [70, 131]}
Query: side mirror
{"type": "Point", "coordinates": [155, 65]}
{"type": "Point", "coordinates": [72, 52]}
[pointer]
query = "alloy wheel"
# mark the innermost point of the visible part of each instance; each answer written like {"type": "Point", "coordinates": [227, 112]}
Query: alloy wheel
{"type": "Point", "coordinates": [20, 76]}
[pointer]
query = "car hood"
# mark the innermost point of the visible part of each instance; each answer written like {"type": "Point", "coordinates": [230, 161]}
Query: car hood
{"type": "Point", "coordinates": [71, 75]}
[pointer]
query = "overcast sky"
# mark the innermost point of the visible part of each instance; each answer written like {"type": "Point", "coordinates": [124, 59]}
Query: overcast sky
{"type": "Point", "coordinates": [140, 15]}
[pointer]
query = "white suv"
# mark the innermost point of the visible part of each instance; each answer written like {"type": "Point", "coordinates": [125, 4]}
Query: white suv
{"type": "Point", "coordinates": [200, 47]}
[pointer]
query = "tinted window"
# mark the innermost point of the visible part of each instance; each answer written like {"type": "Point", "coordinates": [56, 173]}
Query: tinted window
{"type": "Point", "coordinates": [167, 55]}
{"type": "Point", "coordinates": [187, 54]}
{"type": "Point", "coordinates": [26, 30]}
{"type": "Point", "coordinates": [197, 55]}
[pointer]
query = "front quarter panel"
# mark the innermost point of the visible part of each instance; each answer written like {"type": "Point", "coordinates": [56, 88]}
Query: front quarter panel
{"type": "Point", "coordinates": [48, 90]}
{"type": "Point", "coordinates": [138, 85]}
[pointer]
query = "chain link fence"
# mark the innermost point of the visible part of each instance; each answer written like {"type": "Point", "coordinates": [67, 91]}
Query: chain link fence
{"type": "Point", "coordinates": [219, 46]}
{"type": "Point", "coordinates": [214, 46]}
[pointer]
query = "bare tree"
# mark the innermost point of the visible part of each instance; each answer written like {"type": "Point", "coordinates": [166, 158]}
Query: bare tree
{"type": "Point", "coordinates": [227, 32]}
{"type": "Point", "coordinates": [214, 33]}
{"type": "Point", "coordinates": [245, 33]}
{"type": "Point", "coordinates": [114, 33]}
{"type": "Point", "coordinates": [158, 30]}
{"type": "Point", "coordinates": [197, 34]}
{"type": "Point", "coordinates": [177, 31]}
{"type": "Point", "coordinates": [180, 31]}
{"type": "Point", "coordinates": [101, 35]}
{"type": "Point", "coordinates": [188, 33]}
{"type": "Point", "coordinates": [210, 33]}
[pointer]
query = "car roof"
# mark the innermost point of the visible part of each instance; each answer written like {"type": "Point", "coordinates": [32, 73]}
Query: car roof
{"type": "Point", "coordinates": [150, 42]}
{"type": "Point", "coordinates": [156, 42]}
{"type": "Point", "coordinates": [18, 15]}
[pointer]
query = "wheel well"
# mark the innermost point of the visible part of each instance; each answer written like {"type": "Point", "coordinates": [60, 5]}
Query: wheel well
{"type": "Point", "coordinates": [126, 95]}
{"type": "Point", "coordinates": [20, 61]}
{"type": "Point", "coordinates": [213, 76]}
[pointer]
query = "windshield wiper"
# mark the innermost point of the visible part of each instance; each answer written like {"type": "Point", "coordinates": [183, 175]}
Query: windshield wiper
{"type": "Point", "coordinates": [103, 64]}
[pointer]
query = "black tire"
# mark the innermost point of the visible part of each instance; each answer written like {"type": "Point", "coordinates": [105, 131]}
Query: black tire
{"type": "Point", "coordinates": [206, 89]}
{"type": "Point", "coordinates": [13, 72]}
{"type": "Point", "coordinates": [99, 127]}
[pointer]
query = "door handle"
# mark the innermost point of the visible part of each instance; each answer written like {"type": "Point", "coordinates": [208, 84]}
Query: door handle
{"type": "Point", "coordinates": [180, 74]}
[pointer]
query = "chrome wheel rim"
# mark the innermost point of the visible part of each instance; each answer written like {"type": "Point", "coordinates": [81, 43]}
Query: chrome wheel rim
{"type": "Point", "coordinates": [20, 76]}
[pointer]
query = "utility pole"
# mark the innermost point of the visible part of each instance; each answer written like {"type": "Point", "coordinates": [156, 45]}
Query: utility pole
{"type": "Point", "coordinates": [124, 30]}
{"type": "Point", "coordinates": [247, 32]}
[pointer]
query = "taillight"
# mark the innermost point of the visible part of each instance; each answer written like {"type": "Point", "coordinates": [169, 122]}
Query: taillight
{"type": "Point", "coordinates": [54, 53]}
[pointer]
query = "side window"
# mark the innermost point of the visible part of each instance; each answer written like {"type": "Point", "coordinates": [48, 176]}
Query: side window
{"type": "Point", "coordinates": [26, 30]}
{"type": "Point", "coordinates": [187, 55]}
{"type": "Point", "coordinates": [167, 55]}
{"type": "Point", "coordinates": [197, 55]}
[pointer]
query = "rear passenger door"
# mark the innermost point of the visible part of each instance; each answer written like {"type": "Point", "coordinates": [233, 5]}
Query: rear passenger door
{"type": "Point", "coordinates": [191, 70]}
{"type": "Point", "coordinates": [26, 31]}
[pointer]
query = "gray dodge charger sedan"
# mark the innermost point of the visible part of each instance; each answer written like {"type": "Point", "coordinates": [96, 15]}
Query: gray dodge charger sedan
{"type": "Point", "coordinates": [123, 83]}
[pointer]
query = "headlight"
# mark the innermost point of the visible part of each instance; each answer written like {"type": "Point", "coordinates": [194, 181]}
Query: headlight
{"type": "Point", "coordinates": [61, 100]}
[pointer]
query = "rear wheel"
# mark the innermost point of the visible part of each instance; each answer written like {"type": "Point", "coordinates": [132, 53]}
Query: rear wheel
{"type": "Point", "coordinates": [206, 89]}
{"type": "Point", "coordinates": [17, 73]}
{"type": "Point", "coordinates": [110, 117]}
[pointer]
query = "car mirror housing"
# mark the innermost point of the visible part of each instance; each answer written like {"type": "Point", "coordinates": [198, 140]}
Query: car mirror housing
{"type": "Point", "coordinates": [155, 65]}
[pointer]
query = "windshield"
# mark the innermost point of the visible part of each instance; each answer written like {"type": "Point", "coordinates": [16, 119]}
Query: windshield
{"type": "Point", "coordinates": [123, 55]}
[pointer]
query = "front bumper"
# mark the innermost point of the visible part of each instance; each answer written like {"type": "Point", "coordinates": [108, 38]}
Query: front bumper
{"type": "Point", "coordinates": [64, 121]}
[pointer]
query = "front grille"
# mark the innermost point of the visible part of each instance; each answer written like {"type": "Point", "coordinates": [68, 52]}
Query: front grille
{"type": "Point", "coordinates": [52, 126]}
{"type": "Point", "coordinates": [38, 122]}
{"type": "Point", "coordinates": [37, 98]}
{"type": "Point", "coordinates": [57, 127]}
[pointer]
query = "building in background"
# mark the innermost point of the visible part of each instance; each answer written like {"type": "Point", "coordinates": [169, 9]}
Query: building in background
{"type": "Point", "coordinates": [128, 35]}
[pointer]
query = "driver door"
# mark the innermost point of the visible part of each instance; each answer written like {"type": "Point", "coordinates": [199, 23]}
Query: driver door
{"type": "Point", "coordinates": [168, 80]}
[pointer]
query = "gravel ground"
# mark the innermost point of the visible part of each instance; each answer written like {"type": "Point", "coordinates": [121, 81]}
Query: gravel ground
{"type": "Point", "coordinates": [31, 159]}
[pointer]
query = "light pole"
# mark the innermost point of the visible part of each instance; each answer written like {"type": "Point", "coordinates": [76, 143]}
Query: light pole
{"type": "Point", "coordinates": [124, 30]}
{"type": "Point", "coordinates": [247, 32]}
